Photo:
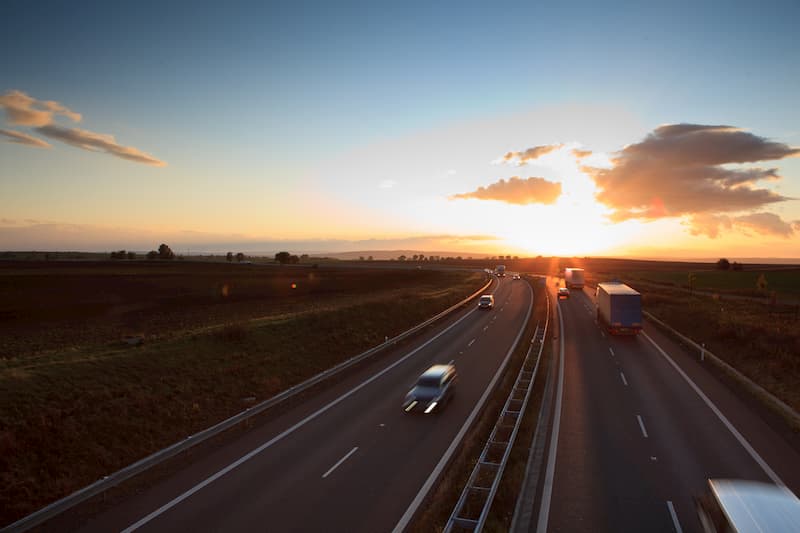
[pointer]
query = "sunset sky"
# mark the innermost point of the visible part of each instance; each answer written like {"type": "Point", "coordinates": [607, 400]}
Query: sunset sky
{"type": "Point", "coordinates": [642, 129]}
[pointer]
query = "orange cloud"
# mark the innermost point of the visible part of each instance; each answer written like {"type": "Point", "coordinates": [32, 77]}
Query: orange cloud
{"type": "Point", "coordinates": [23, 110]}
{"type": "Point", "coordinates": [531, 153]}
{"type": "Point", "coordinates": [580, 154]}
{"type": "Point", "coordinates": [768, 224]}
{"type": "Point", "coordinates": [23, 138]}
{"type": "Point", "coordinates": [678, 170]}
{"type": "Point", "coordinates": [98, 142]}
{"type": "Point", "coordinates": [516, 191]}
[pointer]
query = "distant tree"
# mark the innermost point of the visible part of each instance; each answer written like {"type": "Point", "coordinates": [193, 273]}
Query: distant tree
{"type": "Point", "coordinates": [516, 257]}
{"type": "Point", "coordinates": [304, 257]}
{"type": "Point", "coordinates": [165, 252]}
{"type": "Point", "coordinates": [361, 258]}
{"type": "Point", "coordinates": [369, 258]}
{"type": "Point", "coordinates": [229, 257]}
{"type": "Point", "coordinates": [401, 258]}
{"type": "Point", "coordinates": [508, 258]}
{"type": "Point", "coordinates": [422, 257]}
{"type": "Point", "coordinates": [131, 255]}
{"type": "Point", "coordinates": [239, 257]}
{"type": "Point", "coordinates": [723, 264]}
{"type": "Point", "coordinates": [293, 259]}
{"type": "Point", "coordinates": [736, 266]}
{"type": "Point", "coordinates": [282, 257]}
{"type": "Point", "coordinates": [459, 258]}
{"type": "Point", "coordinates": [122, 254]}
{"type": "Point", "coordinates": [152, 254]}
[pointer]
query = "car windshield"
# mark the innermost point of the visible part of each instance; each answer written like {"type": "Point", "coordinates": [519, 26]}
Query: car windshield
{"type": "Point", "coordinates": [426, 392]}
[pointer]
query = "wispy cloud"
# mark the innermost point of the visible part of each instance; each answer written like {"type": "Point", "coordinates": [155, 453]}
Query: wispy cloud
{"type": "Point", "coordinates": [18, 137]}
{"type": "Point", "coordinates": [530, 154]}
{"type": "Point", "coordinates": [580, 154]}
{"type": "Point", "coordinates": [24, 110]}
{"type": "Point", "coordinates": [98, 142]}
{"type": "Point", "coordinates": [766, 224]}
{"type": "Point", "coordinates": [516, 190]}
{"type": "Point", "coordinates": [678, 170]}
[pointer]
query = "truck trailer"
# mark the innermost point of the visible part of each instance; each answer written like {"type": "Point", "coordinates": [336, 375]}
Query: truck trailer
{"type": "Point", "coordinates": [619, 308]}
{"type": "Point", "coordinates": [573, 278]}
{"type": "Point", "coordinates": [501, 271]}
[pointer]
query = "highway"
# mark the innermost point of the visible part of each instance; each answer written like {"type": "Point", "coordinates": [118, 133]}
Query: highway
{"type": "Point", "coordinates": [641, 426]}
{"type": "Point", "coordinates": [345, 459]}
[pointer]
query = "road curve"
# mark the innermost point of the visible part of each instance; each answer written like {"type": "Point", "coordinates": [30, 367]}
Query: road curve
{"type": "Point", "coordinates": [347, 459]}
{"type": "Point", "coordinates": [643, 425]}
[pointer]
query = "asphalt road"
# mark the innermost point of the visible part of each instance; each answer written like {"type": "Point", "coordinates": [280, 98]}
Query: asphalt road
{"type": "Point", "coordinates": [347, 459]}
{"type": "Point", "coordinates": [637, 441]}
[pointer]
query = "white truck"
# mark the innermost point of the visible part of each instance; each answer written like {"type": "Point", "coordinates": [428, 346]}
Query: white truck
{"type": "Point", "coordinates": [619, 308]}
{"type": "Point", "coordinates": [573, 278]}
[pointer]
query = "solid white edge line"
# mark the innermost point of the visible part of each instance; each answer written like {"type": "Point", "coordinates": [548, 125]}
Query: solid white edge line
{"type": "Point", "coordinates": [426, 487]}
{"type": "Point", "coordinates": [547, 491]}
{"type": "Point", "coordinates": [674, 517]}
{"type": "Point", "coordinates": [641, 425]}
{"type": "Point", "coordinates": [625, 381]}
{"type": "Point", "coordinates": [611, 351]}
{"type": "Point", "coordinates": [471, 342]}
{"type": "Point", "coordinates": [745, 444]}
{"type": "Point", "coordinates": [172, 503]}
{"type": "Point", "coordinates": [339, 462]}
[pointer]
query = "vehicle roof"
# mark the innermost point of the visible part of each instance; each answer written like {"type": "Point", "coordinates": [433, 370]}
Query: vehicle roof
{"type": "Point", "coordinates": [436, 371]}
{"type": "Point", "coordinates": [487, 296]}
{"type": "Point", "coordinates": [613, 287]}
{"type": "Point", "coordinates": [563, 289]}
{"type": "Point", "coordinates": [574, 269]}
{"type": "Point", "coordinates": [755, 506]}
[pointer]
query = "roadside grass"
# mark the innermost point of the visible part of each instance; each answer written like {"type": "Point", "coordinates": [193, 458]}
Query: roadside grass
{"type": "Point", "coordinates": [443, 497]}
{"type": "Point", "coordinates": [783, 281]}
{"type": "Point", "coordinates": [69, 418]}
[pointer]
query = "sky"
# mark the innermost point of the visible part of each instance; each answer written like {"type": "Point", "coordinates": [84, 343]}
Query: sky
{"type": "Point", "coordinates": [639, 129]}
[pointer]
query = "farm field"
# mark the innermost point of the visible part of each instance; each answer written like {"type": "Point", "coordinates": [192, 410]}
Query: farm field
{"type": "Point", "coordinates": [77, 403]}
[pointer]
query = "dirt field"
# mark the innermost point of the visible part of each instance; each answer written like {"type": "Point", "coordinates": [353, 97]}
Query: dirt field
{"type": "Point", "coordinates": [76, 403]}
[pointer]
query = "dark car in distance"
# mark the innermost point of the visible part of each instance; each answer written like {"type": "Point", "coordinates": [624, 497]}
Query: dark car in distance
{"type": "Point", "coordinates": [434, 389]}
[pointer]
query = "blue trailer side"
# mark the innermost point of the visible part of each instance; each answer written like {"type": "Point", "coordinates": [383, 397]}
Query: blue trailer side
{"type": "Point", "coordinates": [619, 308]}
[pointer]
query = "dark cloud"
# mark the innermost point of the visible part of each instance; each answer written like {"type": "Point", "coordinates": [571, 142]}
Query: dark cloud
{"type": "Point", "coordinates": [24, 110]}
{"type": "Point", "coordinates": [23, 138]}
{"type": "Point", "coordinates": [516, 191]}
{"type": "Point", "coordinates": [531, 153]}
{"type": "Point", "coordinates": [98, 142]}
{"type": "Point", "coordinates": [767, 224]}
{"type": "Point", "coordinates": [678, 170]}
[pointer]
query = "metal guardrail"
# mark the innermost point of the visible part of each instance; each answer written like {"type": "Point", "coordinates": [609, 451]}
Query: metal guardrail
{"type": "Point", "coordinates": [776, 403]}
{"type": "Point", "coordinates": [472, 508]}
{"type": "Point", "coordinates": [112, 480]}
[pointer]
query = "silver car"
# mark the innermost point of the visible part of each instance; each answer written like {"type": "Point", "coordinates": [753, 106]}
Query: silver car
{"type": "Point", "coordinates": [434, 389]}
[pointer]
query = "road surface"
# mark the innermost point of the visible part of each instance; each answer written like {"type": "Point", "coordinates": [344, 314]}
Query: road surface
{"type": "Point", "coordinates": [642, 426]}
{"type": "Point", "coordinates": [347, 459]}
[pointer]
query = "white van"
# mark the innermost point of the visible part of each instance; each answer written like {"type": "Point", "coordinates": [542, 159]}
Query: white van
{"type": "Point", "coordinates": [486, 301]}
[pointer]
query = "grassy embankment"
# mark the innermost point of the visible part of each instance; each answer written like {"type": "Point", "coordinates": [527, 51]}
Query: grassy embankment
{"type": "Point", "coordinates": [77, 404]}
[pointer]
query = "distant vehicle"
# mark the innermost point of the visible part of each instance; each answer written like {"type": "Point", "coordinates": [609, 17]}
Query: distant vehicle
{"type": "Point", "coordinates": [486, 301]}
{"type": "Point", "coordinates": [517, 276]}
{"type": "Point", "coordinates": [563, 292]}
{"type": "Point", "coordinates": [573, 278]}
{"type": "Point", "coordinates": [501, 271]}
{"type": "Point", "coordinates": [619, 308]}
{"type": "Point", "coordinates": [737, 505]}
{"type": "Point", "coordinates": [434, 389]}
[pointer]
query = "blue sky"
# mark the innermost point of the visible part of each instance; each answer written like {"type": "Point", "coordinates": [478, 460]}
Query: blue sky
{"type": "Point", "coordinates": [251, 104]}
